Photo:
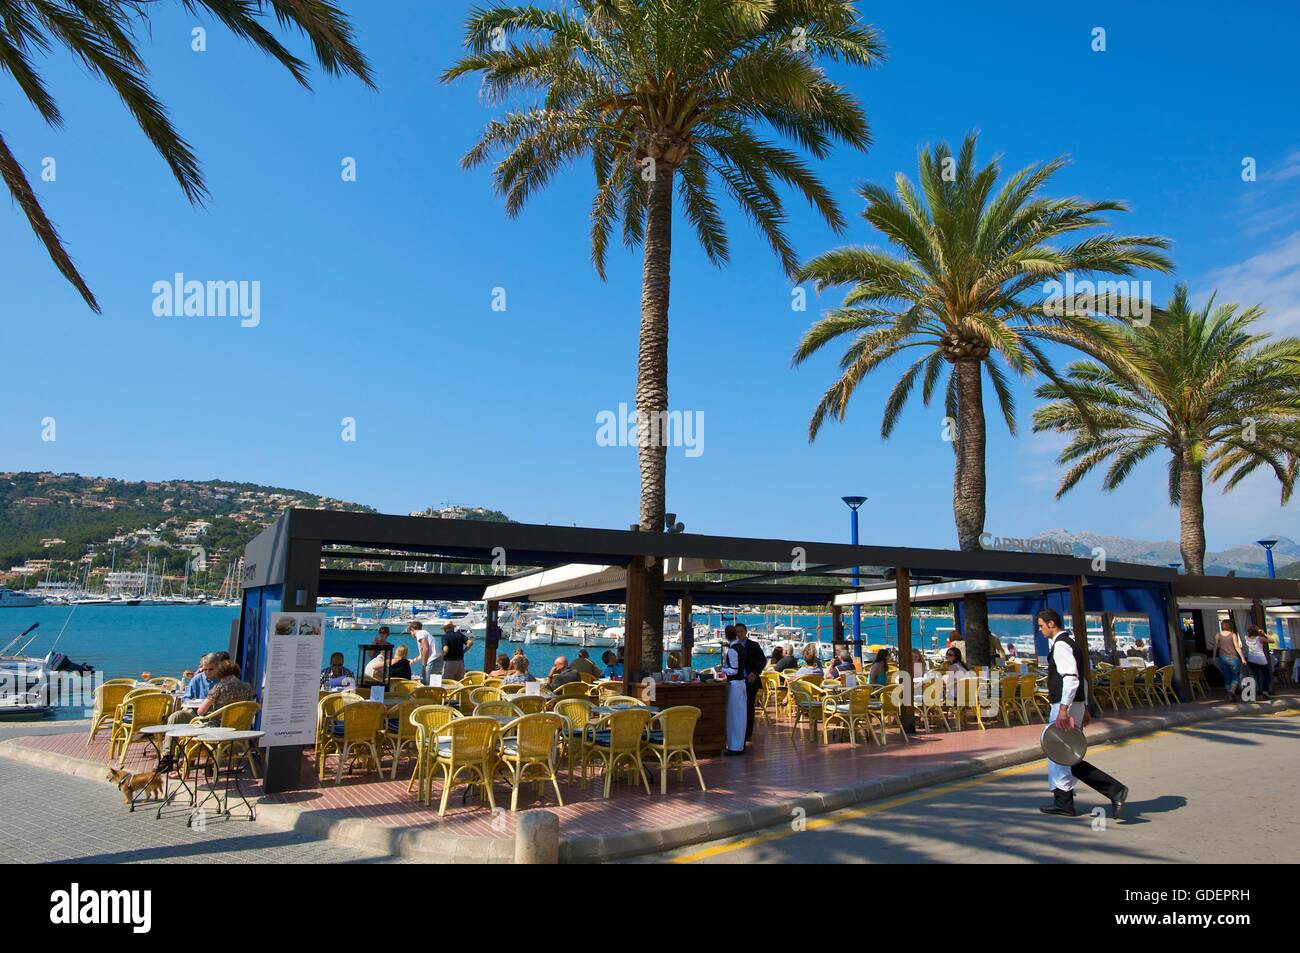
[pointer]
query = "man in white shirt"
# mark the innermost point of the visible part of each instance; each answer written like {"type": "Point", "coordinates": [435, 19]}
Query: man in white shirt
{"type": "Point", "coordinates": [1068, 694]}
{"type": "Point", "coordinates": [428, 648]}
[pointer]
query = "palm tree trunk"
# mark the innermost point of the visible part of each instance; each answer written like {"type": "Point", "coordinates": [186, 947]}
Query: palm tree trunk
{"type": "Point", "coordinates": [1191, 516]}
{"type": "Point", "coordinates": [652, 402]}
{"type": "Point", "coordinates": [968, 498]}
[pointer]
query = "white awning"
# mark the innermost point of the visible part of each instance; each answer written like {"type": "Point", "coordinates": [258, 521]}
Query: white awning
{"type": "Point", "coordinates": [940, 591]}
{"type": "Point", "coordinates": [580, 579]}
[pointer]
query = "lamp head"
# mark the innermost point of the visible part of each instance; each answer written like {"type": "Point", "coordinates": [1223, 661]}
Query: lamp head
{"type": "Point", "coordinates": [1267, 543]}
{"type": "Point", "coordinates": [854, 502]}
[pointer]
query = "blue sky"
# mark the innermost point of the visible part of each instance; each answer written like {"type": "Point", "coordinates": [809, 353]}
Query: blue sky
{"type": "Point", "coordinates": [376, 294]}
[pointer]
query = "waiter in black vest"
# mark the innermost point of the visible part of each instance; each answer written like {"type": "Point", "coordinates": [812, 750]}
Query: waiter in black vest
{"type": "Point", "coordinates": [754, 660]}
{"type": "Point", "coordinates": [1068, 693]}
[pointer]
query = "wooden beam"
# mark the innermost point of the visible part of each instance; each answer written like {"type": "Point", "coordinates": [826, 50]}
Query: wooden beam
{"type": "Point", "coordinates": [633, 625]}
{"type": "Point", "coordinates": [837, 625]}
{"type": "Point", "coordinates": [1108, 634]}
{"type": "Point", "coordinates": [903, 609]}
{"type": "Point", "coordinates": [492, 637]}
{"type": "Point", "coordinates": [1079, 625]}
{"type": "Point", "coordinates": [688, 630]}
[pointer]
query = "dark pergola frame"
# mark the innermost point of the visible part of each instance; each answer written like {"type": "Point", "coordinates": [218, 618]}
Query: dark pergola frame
{"type": "Point", "coordinates": [289, 553]}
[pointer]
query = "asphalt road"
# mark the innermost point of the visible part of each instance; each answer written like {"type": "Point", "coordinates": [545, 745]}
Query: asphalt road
{"type": "Point", "coordinates": [1215, 792]}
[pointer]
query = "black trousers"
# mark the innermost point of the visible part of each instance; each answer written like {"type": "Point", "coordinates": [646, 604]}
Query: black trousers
{"type": "Point", "coordinates": [1095, 778]}
{"type": "Point", "coordinates": [751, 698]}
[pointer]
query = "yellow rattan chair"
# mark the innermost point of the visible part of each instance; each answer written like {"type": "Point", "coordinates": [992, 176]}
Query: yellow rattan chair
{"type": "Point", "coordinates": [848, 710]}
{"type": "Point", "coordinates": [141, 708]}
{"type": "Point", "coordinates": [623, 701]}
{"type": "Point", "coordinates": [510, 689]}
{"type": "Point", "coordinates": [167, 683]}
{"type": "Point", "coordinates": [399, 731]}
{"type": "Point", "coordinates": [493, 681]}
{"type": "Point", "coordinates": [528, 752]}
{"type": "Point", "coordinates": [1196, 681]}
{"type": "Point", "coordinates": [617, 742]}
{"type": "Point", "coordinates": [473, 679]}
{"type": "Point", "coordinates": [577, 715]}
{"type": "Point", "coordinates": [479, 695]}
{"type": "Point", "coordinates": [572, 690]}
{"type": "Point", "coordinates": [1104, 682]}
{"type": "Point", "coordinates": [363, 726]}
{"type": "Point", "coordinates": [1163, 685]}
{"type": "Point", "coordinates": [530, 704]}
{"type": "Point", "coordinates": [1146, 686]}
{"type": "Point", "coordinates": [327, 713]}
{"type": "Point", "coordinates": [238, 716]}
{"type": "Point", "coordinates": [931, 709]}
{"type": "Point", "coordinates": [429, 694]}
{"type": "Point", "coordinates": [429, 722]}
{"type": "Point", "coordinates": [1027, 695]}
{"type": "Point", "coordinates": [107, 697]}
{"type": "Point", "coordinates": [805, 702]}
{"type": "Point", "coordinates": [605, 689]}
{"type": "Point", "coordinates": [771, 692]}
{"type": "Point", "coordinates": [403, 686]}
{"type": "Point", "coordinates": [496, 709]}
{"type": "Point", "coordinates": [467, 754]}
{"type": "Point", "coordinates": [963, 700]}
{"type": "Point", "coordinates": [1009, 700]}
{"type": "Point", "coordinates": [887, 698]}
{"type": "Point", "coordinates": [672, 739]}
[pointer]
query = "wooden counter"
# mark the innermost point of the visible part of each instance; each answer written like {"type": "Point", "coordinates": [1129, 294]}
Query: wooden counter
{"type": "Point", "coordinates": [711, 699]}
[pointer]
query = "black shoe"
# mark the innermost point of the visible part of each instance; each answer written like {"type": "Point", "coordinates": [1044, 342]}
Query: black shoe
{"type": "Point", "coordinates": [1117, 802]}
{"type": "Point", "coordinates": [1062, 803]}
{"type": "Point", "coordinates": [166, 763]}
{"type": "Point", "coordinates": [732, 754]}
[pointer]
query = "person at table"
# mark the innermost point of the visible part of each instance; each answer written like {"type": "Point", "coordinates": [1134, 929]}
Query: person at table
{"type": "Point", "coordinates": [841, 664]}
{"type": "Point", "coordinates": [1138, 650]}
{"type": "Point", "coordinates": [381, 637]}
{"type": "Point", "coordinates": [227, 689]}
{"type": "Point", "coordinates": [518, 672]}
{"type": "Point", "coordinates": [733, 668]}
{"type": "Point", "coordinates": [454, 646]}
{"type": "Point", "coordinates": [811, 663]}
{"type": "Point", "coordinates": [879, 671]}
{"type": "Point", "coordinates": [777, 657]}
{"type": "Point", "coordinates": [1067, 692]}
{"type": "Point", "coordinates": [426, 648]}
{"type": "Point", "coordinates": [503, 667]}
{"type": "Point", "coordinates": [1012, 653]}
{"type": "Point", "coordinates": [336, 673]}
{"type": "Point", "coordinates": [401, 667]}
{"type": "Point", "coordinates": [754, 661]}
{"type": "Point", "coordinates": [583, 664]}
{"type": "Point", "coordinates": [561, 674]}
{"type": "Point", "coordinates": [613, 666]}
{"type": "Point", "coordinates": [204, 678]}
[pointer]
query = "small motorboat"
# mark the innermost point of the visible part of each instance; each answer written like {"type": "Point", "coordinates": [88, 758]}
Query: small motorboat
{"type": "Point", "coordinates": [27, 683]}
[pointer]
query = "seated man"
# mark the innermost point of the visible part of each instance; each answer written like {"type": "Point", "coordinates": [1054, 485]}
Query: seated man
{"type": "Point", "coordinates": [583, 664]}
{"type": "Point", "coordinates": [334, 675]}
{"type": "Point", "coordinates": [519, 673]}
{"type": "Point", "coordinates": [561, 674]}
{"type": "Point", "coordinates": [786, 659]}
{"type": "Point", "coordinates": [613, 667]}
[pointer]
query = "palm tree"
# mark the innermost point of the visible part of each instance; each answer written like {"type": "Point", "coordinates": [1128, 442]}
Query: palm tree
{"type": "Point", "coordinates": [1201, 385]}
{"type": "Point", "coordinates": [958, 290]}
{"type": "Point", "coordinates": [102, 35]}
{"type": "Point", "coordinates": [668, 98]}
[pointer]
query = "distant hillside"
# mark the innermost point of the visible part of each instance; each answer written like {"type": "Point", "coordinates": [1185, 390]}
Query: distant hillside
{"type": "Point", "coordinates": [89, 522]}
{"type": "Point", "coordinates": [1246, 559]}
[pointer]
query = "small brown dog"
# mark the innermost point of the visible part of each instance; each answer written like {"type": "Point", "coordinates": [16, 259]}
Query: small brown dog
{"type": "Point", "coordinates": [133, 784]}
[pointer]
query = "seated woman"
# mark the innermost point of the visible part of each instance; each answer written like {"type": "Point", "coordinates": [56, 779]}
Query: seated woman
{"type": "Point", "coordinates": [956, 670]}
{"type": "Point", "coordinates": [226, 690]}
{"type": "Point", "coordinates": [503, 668]}
{"type": "Point", "coordinates": [879, 670]}
{"type": "Point", "coordinates": [811, 664]}
{"type": "Point", "coordinates": [401, 667]}
{"type": "Point", "coordinates": [519, 673]}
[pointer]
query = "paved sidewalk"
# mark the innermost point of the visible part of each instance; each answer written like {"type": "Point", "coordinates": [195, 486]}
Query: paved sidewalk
{"type": "Point", "coordinates": [51, 817]}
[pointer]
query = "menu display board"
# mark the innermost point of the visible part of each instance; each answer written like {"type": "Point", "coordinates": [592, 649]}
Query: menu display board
{"type": "Point", "coordinates": [295, 646]}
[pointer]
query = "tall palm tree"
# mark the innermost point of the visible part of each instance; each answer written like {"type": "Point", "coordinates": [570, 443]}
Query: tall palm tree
{"type": "Point", "coordinates": [958, 289]}
{"type": "Point", "coordinates": [1201, 385]}
{"type": "Point", "coordinates": [668, 99]}
{"type": "Point", "coordinates": [102, 35]}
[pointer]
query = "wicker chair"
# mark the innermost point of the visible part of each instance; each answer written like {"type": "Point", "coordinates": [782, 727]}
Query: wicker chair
{"type": "Point", "coordinates": [107, 697]}
{"type": "Point", "coordinates": [362, 729]}
{"type": "Point", "coordinates": [327, 715]}
{"type": "Point", "coordinates": [889, 713]}
{"type": "Point", "coordinates": [238, 716]}
{"type": "Point", "coordinates": [528, 751]}
{"type": "Point", "coordinates": [479, 695]}
{"type": "Point", "coordinates": [805, 702]}
{"type": "Point", "coordinates": [530, 704]}
{"type": "Point", "coordinates": [846, 712]}
{"type": "Point", "coordinates": [573, 690]}
{"type": "Point", "coordinates": [473, 679]}
{"type": "Point", "coordinates": [467, 754]}
{"type": "Point", "coordinates": [399, 731]}
{"type": "Point", "coordinates": [429, 694]}
{"type": "Point", "coordinates": [576, 713]}
{"type": "Point", "coordinates": [429, 722]}
{"type": "Point", "coordinates": [142, 708]}
{"type": "Point", "coordinates": [672, 739]}
{"type": "Point", "coordinates": [496, 709]}
{"type": "Point", "coordinates": [618, 742]}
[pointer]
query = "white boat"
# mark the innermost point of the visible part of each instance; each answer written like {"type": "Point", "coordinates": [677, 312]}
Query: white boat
{"type": "Point", "coordinates": [9, 599]}
{"type": "Point", "coordinates": [24, 686]}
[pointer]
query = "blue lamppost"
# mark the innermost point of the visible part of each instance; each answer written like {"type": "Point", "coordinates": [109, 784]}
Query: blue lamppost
{"type": "Point", "coordinates": [1268, 545]}
{"type": "Point", "coordinates": [853, 503]}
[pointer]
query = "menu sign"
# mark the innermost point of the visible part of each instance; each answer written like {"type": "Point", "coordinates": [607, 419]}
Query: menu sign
{"type": "Point", "coordinates": [291, 677]}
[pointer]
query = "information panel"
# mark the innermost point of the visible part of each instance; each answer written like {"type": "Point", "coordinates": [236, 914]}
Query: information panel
{"type": "Point", "coordinates": [295, 645]}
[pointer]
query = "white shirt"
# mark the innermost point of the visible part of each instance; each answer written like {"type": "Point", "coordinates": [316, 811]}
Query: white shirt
{"type": "Point", "coordinates": [425, 637]}
{"type": "Point", "coordinates": [1067, 667]}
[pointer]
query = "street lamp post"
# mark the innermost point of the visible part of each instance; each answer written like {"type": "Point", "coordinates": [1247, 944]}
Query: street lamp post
{"type": "Point", "coordinates": [1268, 545]}
{"type": "Point", "coordinates": [853, 503]}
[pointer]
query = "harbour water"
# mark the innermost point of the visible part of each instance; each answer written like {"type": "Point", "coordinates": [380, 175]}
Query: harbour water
{"type": "Point", "coordinates": [125, 641]}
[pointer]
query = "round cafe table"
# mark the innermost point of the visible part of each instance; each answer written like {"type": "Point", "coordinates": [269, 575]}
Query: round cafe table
{"type": "Point", "coordinates": [181, 733]}
{"type": "Point", "coordinates": [212, 740]}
